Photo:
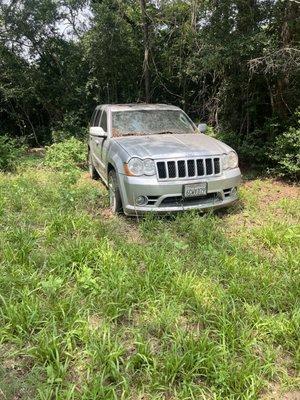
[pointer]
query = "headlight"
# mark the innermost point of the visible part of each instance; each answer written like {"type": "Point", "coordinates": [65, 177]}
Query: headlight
{"type": "Point", "coordinates": [224, 161]}
{"type": "Point", "coordinates": [230, 160]}
{"type": "Point", "coordinates": [139, 167]}
{"type": "Point", "coordinates": [149, 167]}
{"type": "Point", "coordinates": [233, 160]}
{"type": "Point", "coordinates": [136, 166]}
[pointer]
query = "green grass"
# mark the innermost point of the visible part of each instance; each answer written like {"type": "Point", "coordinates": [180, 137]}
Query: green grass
{"type": "Point", "coordinates": [192, 306]}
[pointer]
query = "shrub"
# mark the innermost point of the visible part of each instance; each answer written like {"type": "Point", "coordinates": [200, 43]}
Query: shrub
{"type": "Point", "coordinates": [60, 135]}
{"type": "Point", "coordinates": [66, 155]}
{"type": "Point", "coordinates": [286, 153]}
{"type": "Point", "coordinates": [71, 126]}
{"type": "Point", "coordinates": [250, 148]}
{"type": "Point", "coordinates": [272, 151]}
{"type": "Point", "coordinates": [10, 152]}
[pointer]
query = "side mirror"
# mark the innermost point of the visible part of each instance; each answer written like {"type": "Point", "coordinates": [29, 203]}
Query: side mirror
{"type": "Point", "coordinates": [202, 128]}
{"type": "Point", "coordinates": [97, 131]}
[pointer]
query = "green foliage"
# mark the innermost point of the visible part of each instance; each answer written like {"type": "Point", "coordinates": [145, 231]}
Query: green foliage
{"type": "Point", "coordinates": [10, 152]}
{"type": "Point", "coordinates": [234, 65]}
{"type": "Point", "coordinates": [66, 155]}
{"type": "Point", "coordinates": [68, 128]}
{"type": "Point", "coordinates": [113, 48]}
{"type": "Point", "coordinates": [279, 152]}
{"type": "Point", "coordinates": [60, 135]}
{"type": "Point", "coordinates": [286, 152]}
{"type": "Point", "coordinates": [250, 148]}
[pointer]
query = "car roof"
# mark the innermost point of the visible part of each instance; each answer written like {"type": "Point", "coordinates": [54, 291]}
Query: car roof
{"type": "Point", "coordinates": [137, 106]}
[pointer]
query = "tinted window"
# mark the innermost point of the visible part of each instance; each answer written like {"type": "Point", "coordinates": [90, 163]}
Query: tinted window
{"type": "Point", "coordinates": [92, 118]}
{"type": "Point", "coordinates": [97, 118]}
{"type": "Point", "coordinates": [103, 123]}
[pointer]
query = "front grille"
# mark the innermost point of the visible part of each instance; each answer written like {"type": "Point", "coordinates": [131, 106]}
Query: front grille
{"type": "Point", "coordinates": [190, 168]}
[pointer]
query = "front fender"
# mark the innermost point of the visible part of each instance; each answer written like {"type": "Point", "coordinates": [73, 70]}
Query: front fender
{"type": "Point", "coordinates": [116, 157]}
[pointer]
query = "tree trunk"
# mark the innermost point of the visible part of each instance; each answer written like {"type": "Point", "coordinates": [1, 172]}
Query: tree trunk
{"type": "Point", "coordinates": [146, 51]}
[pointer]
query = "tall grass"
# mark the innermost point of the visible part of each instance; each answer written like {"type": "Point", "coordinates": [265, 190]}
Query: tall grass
{"type": "Point", "coordinates": [192, 306]}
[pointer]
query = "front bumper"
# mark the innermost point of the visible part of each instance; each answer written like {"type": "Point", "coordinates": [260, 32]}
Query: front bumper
{"type": "Point", "coordinates": [166, 196]}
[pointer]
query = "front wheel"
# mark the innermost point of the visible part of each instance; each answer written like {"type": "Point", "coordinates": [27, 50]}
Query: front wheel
{"type": "Point", "coordinates": [115, 201]}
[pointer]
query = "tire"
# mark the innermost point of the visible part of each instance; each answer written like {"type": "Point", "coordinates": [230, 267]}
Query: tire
{"type": "Point", "coordinates": [115, 201]}
{"type": "Point", "coordinates": [93, 173]}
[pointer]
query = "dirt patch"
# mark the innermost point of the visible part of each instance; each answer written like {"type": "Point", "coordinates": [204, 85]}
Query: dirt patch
{"type": "Point", "coordinates": [95, 322]}
{"type": "Point", "coordinates": [273, 190]}
{"type": "Point", "coordinates": [135, 396]}
{"type": "Point", "coordinates": [78, 371]}
{"type": "Point", "coordinates": [15, 372]}
{"type": "Point", "coordinates": [134, 235]}
{"type": "Point", "coordinates": [107, 214]}
{"type": "Point", "coordinates": [37, 151]}
{"type": "Point", "coordinates": [16, 364]}
{"type": "Point", "coordinates": [266, 194]}
{"type": "Point", "coordinates": [292, 395]}
{"type": "Point", "coordinates": [129, 229]}
{"type": "Point", "coordinates": [275, 393]}
{"type": "Point", "coordinates": [193, 328]}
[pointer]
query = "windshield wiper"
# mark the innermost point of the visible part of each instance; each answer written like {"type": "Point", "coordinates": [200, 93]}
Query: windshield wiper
{"type": "Point", "coordinates": [150, 133]}
{"type": "Point", "coordinates": [162, 133]}
{"type": "Point", "coordinates": [133, 134]}
{"type": "Point", "coordinates": [146, 133]}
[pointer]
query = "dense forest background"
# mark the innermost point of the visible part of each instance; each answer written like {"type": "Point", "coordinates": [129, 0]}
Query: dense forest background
{"type": "Point", "coordinates": [234, 64]}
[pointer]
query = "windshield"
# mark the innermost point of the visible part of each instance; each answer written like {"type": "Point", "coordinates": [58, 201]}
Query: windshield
{"type": "Point", "coordinates": [149, 122]}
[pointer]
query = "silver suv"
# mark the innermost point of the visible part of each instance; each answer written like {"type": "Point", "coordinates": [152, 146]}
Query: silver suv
{"type": "Point", "coordinates": [152, 157]}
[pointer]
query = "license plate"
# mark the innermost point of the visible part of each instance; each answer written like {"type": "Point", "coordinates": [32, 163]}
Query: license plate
{"type": "Point", "coordinates": [195, 189]}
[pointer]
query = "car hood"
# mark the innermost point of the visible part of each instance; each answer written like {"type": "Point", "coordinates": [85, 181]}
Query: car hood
{"type": "Point", "coordinates": [172, 145]}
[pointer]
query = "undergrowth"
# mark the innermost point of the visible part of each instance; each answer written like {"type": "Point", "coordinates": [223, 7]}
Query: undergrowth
{"type": "Point", "coordinates": [191, 306]}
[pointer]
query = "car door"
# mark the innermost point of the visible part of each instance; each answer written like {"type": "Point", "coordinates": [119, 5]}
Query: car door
{"type": "Point", "coordinates": [94, 139]}
{"type": "Point", "coordinates": [100, 143]}
{"type": "Point", "coordinates": [103, 148]}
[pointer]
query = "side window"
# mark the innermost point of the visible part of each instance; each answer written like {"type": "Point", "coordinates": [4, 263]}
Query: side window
{"type": "Point", "coordinates": [92, 118]}
{"type": "Point", "coordinates": [97, 118]}
{"type": "Point", "coordinates": [103, 123]}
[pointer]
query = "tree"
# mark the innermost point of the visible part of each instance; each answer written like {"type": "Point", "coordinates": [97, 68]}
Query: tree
{"type": "Point", "coordinates": [146, 50]}
{"type": "Point", "coordinates": [232, 63]}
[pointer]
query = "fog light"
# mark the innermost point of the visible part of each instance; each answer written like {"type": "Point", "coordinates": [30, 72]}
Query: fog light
{"type": "Point", "coordinates": [233, 192]}
{"type": "Point", "coordinates": [141, 200]}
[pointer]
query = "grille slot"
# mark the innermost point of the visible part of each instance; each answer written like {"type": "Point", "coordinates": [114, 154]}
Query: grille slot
{"type": "Point", "coordinates": [171, 169]}
{"type": "Point", "coordinates": [209, 167]}
{"type": "Point", "coordinates": [161, 168]}
{"type": "Point", "coordinates": [181, 169]}
{"type": "Point", "coordinates": [190, 168]}
{"type": "Point", "coordinates": [217, 165]}
{"type": "Point", "coordinates": [200, 167]}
